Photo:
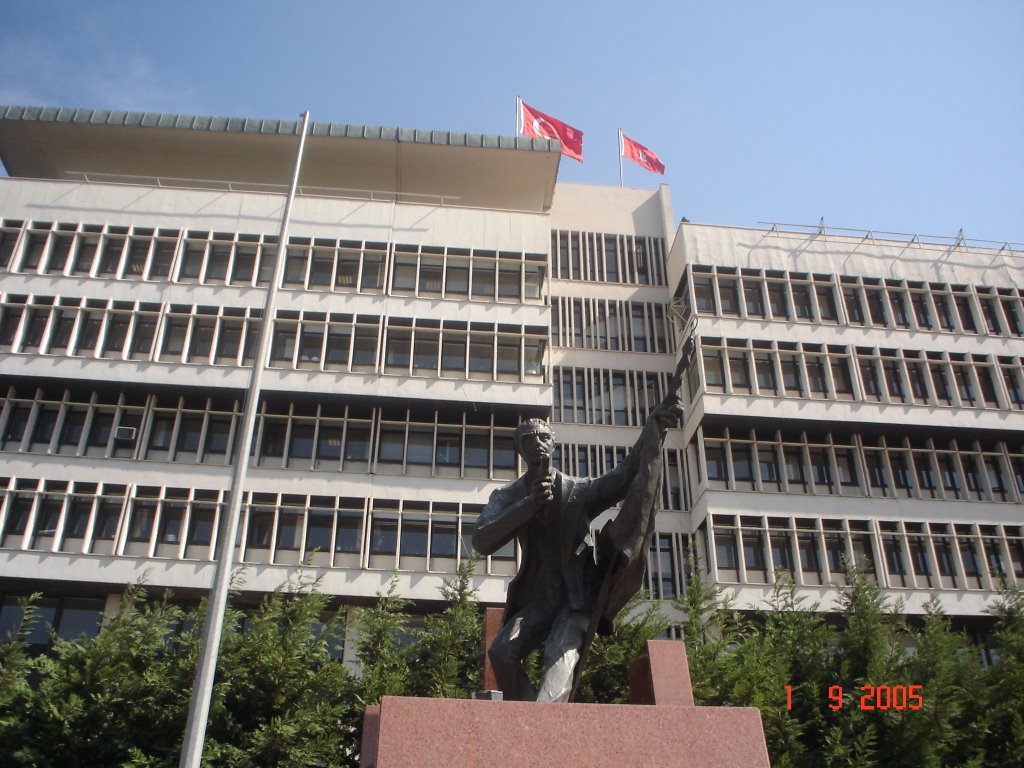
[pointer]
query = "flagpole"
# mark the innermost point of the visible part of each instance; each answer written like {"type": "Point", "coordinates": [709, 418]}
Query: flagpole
{"type": "Point", "coordinates": [519, 107]}
{"type": "Point", "coordinates": [620, 158]}
{"type": "Point", "coordinates": [227, 524]}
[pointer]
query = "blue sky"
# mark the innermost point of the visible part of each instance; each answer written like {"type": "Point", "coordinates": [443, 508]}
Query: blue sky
{"type": "Point", "coordinates": [898, 115]}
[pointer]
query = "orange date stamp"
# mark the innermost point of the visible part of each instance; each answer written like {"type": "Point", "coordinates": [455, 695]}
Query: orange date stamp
{"type": "Point", "coordinates": [879, 698]}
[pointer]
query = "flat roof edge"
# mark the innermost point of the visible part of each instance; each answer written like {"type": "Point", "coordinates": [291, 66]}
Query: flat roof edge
{"type": "Point", "coordinates": [122, 118]}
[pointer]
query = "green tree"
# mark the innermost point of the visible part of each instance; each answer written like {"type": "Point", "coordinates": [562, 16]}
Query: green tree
{"type": "Point", "coordinates": [948, 728]}
{"type": "Point", "coordinates": [1004, 698]}
{"type": "Point", "coordinates": [281, 695]}
{"type": "Point", "coordinates": [710, 631]}
{"type": "Point", "coordinates": [384, 647]}
{"type": "Point", "coordinates": [16, 668]}
{"type": "Point", "coordinates": [787, 645]}
{"type": "Point", "coordinates": [448, 653]}
{"type": "Point", "coordinates": [96, 698]}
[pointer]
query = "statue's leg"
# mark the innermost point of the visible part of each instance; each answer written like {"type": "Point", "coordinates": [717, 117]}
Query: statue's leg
{"type": "Point", "coordinates": [562, 654]}
{"type": "Point", "coordinates": [515, 640]}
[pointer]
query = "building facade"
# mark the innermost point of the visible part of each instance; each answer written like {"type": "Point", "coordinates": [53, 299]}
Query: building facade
{"type": "Point", "coordinates": [412, 332]}
{"type": "Point", "coordinates": [855, 399]}
{"type": "Point", "coordinates": [851, 396]}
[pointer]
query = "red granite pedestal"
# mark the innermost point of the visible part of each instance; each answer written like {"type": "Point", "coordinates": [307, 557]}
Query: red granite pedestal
{"type": "Point", "coordinates": [668, 732]}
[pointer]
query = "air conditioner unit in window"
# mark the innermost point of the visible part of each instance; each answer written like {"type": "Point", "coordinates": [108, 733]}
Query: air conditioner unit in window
{"type": "Point", "coordinates": [125, 434]}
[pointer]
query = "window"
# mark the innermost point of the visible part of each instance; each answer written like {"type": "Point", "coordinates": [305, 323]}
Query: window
{"type": "Point", "coordinates": [321, 270]}
{"type": "Point", "coordinates": [739, 371]}
{"type": "Point", "coordinates": [140, 526]}
{"type": "Point", "coordinates": [364, 347]}
{"type": "Point", "coordinates": [714, 454]}
{"type": "Point", "coordinates": [289, 530]}
{"type": "Point", "coordinates": [218, 434]}
{"type": "Point", "coordinates": [704, 295]}
{"type": "Point", "coordinates": [201, 341]}
{"type": "Point", "coordinates": [349, 534]}
{"type": "Point", "coordinates": [403, 279]}
{"type": "Point", "coordinates": [372, 279]}
{"type": "Point", "coordinates": [791, 378]}
{"type": "Point", "coordinates": [174, 338]}
{"type": "Point", "coordinates": [398, 351]}
{"type": "Point", "coordinates": [244, 266]}
{"type": "Point", "coordinates": [782, 552]}
{"type": "Point", "coordinates": [854, 308]}
{"type": "Point", "coordinates": [59, 254]}
{"type": "Point", "coordinates": [778, 301]}
{"type": "Point", "coordinates": [826, 303]}
{"type": "Point", "coordinates": [425, 350]}
{"type": "Point", "coordinates": [261, 527]}
{"type": "Point", "coordinates": [810, 562]}
{"type": "Point", "coordinates": [816, 381]}
{"type": "Point", "coordinates": [768, 467]}
{"type": "Point", "coordinates": [190, 429]}
{"type": "Point", "coordinates": [117, 333]}
{"type": "Point", "coordinates": [300, 446]}
{"type": "Point", "coordinates": [899, 308]}
{"type": "Point", "coordinates": [318, 530]}
{"type": "Point", "coordinates": [509, 282]}
{"type": "Point", "coordinates": [483, 280]}
{"type": "Point", "coordinates": [963, 307]}
{"type": "Point", "coordinates": [725, 551]}
{"type": "Point", "coordinates": [714, 375]}
{"type": "Point", "coordinates": [802, 300]}
{"type": "Point", "coordinates": [765, 368]}
{"type": "Point", "coordinates": [457, 277]}
{"type": "Point", "coordinates": [357, 444]}
{"type": "Point", "coordinates": [201, 525]}
{"type": "Point", "coordinates": [383, 533]}
{"type": "Point", "coordinates": [228, 342]}
{"type": "Point", "coordinates": [753, 297]}
{"type": "Point", "coordinates": [282, 347]}
{"type": "Point", "coordinates": [99, 433]}
{"type": "Point", "coordinates": [272, 448]}
{"type": "Point", "coordinates": [72, 429]}
{"type": "Point", "coordinates": [876, 305]}
{"type": "Point", "coordinates": [728, 293]}
{"type": "Point", "coordinates": [311, 342]}
{"type": "Point", "coordinates": [431, 276]}
{"type": "Point", "coordinates": [88, 333]}
{"type": "Point", "coordinates": [339, 339]}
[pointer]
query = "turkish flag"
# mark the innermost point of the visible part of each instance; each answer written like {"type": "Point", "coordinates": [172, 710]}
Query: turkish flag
{"type": "Point", "coordinates": [641, 155]}
{"type": "Point", "coordinates": [536, 125]}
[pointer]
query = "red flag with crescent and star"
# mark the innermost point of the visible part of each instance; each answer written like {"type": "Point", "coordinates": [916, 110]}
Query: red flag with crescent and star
{"type": "Point", "coordinates": [536, 125]}
{"type": "Point", "coordinates": [641, 155]}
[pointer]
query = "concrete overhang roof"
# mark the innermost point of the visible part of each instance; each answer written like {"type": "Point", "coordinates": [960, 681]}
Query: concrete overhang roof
{"type": "Point", "coordinates": [466, 169]}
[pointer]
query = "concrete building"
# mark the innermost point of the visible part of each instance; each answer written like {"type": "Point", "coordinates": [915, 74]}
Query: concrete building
{"type": "Point", "coordinates": [854, 398]}
{"type": "Point", "coordinates": [851, 396]}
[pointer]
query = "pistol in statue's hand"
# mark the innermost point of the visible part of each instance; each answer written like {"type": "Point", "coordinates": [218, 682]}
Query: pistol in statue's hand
{"type": "Point", "coordinates": [669, 412]}
{"type": "Point", "coordinates": [542, 489]}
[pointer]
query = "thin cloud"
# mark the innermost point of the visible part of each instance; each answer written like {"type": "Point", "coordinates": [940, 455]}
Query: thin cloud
{"type": "Point", "coordinates": [43, 72]}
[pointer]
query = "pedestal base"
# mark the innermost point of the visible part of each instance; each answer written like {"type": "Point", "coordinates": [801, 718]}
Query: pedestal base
{"type": "Point", "coordinates": [463, 733]}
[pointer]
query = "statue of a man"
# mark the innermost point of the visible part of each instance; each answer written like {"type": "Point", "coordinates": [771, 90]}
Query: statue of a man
{"type": "Point", "coordinates": [569, 585]}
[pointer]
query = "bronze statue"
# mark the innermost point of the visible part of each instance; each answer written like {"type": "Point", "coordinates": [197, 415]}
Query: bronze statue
{"type": "Point", "coordinates": [570, 586]}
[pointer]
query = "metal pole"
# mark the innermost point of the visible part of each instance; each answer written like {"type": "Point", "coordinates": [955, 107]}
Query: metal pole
{"type": "Point", "coordinates": [202, 688]}
{"type": "Point", "coordinates": [620, 157]}
{"type": "Point", "coordinates": [519, 110]}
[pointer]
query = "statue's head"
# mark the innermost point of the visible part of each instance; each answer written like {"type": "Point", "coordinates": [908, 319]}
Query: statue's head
{"type": "Point", "coordinates": [534, 439]}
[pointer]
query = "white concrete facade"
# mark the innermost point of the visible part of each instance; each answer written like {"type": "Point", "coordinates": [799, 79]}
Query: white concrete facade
{"type": "Point", "coordinates": [854, 398]}
{"type": "Point", "coordinates": [851, 397]}
{"type": "Point", "coordinates": [412, 332]}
